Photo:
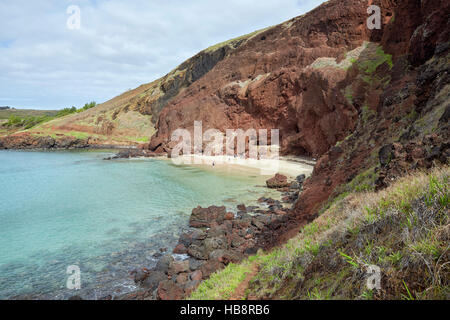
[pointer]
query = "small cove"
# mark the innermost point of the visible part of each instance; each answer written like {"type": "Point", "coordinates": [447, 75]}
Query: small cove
{"type": "Point", "coordinates": [59, 209]}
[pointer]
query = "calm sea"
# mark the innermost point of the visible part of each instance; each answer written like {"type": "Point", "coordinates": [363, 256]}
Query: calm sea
{"type": "Point", "coordinates": [59, 209]}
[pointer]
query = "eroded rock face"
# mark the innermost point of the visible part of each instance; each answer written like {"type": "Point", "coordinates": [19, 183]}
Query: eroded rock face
{"type": "Point", "coordinates": [271, 81]}
{"type": "Point", "coordinates": [392, 135]}
{"type": "Point", "coordinates": [298, 76]}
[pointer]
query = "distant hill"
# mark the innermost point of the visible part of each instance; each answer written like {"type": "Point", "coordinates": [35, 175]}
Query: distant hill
{"type": "Point", "coordinates": [6, 112]}
{"type": "Point", "coordinates": [131, 118]}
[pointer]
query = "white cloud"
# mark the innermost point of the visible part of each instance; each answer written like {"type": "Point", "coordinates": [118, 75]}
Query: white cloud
{"type": "Point", "coordinates": [121, 44]}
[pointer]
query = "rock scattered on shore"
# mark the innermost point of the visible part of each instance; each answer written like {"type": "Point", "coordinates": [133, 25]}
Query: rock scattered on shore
{"type": "Point", "coordinates": [216, 238]}
{"type": "Point", "coordinates": [131, 153]}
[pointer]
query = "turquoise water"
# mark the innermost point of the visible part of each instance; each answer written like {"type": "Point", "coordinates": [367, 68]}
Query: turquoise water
{"type": "Point", "coordinates": [108, 217]}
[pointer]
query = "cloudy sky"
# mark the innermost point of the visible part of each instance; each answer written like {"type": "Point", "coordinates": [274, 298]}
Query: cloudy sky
{"type": "Point", "coordinates": [120, 44]}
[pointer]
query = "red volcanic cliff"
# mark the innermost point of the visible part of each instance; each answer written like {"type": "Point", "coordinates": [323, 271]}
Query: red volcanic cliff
{"type": "Point", "coordinates": [404, 108]}
{"type": "Point", "coordinates": [337, 91]}
{"type": "Point", "coordinates": [295, 76]}
{"type": "Point", "coordinates": [270, 82]}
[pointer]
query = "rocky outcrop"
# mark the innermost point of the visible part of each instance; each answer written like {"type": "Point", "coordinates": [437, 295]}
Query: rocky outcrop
{"type": "Point", "coordinates": [216, 238]}
{"type": "Point", "coordinates": [184, 75]}
{"type": "Point", "coordinates": [28, 141]}
{"type": "Point", "coordinates": [397, 159]}
{"type": "Point", "coordinates": [279, 181]}
{"type": "Point", "coordinates": [129, 153]}
{"type": "Point", "coordinates": [204, 217]}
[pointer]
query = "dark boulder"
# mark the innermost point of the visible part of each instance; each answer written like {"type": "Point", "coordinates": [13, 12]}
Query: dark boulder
{"type": "Point", "coordinates": [386, 154]}
{"type": "Point", "coordinates": [199, 235]}
{"type": "Point", "coordinates": [191, 286]}
{"type": "Point", "coordinates": [182, 279]}
{"type": "Point", "coordinates": [140, 275]}
{"type": "Point", "coordinates": [335, 152]}
{"type": "Point", "coordinates": [445, 117]}
{"type": "Point", "coordinates": [301, 179]}
{"type": "Point", "coordinates": [212, 244]}
{"type": "Point", "coordinates": [153, 279]}
{"type": "Point", "coordinates": [186, 239]}
{"type": "Point", "coordinates": [203, 217]}
{"type": "Point", "coordinates": [128, 154]}
{"type": "Point", "coordinates": [210, 267]}
{"type": "Point", "coordinates": [237, 241]}
{"type": "Point", "coordinates": [196, 276]}
{"type": "Point", "coordinates": [179, 267]}
{"type": "Point", "coordinates": [195, 264]}
{"type": "Point", "coordinates": [168, 290]}
{"type": "Point", "coordinates": [180, 249]}
{"type": "Point", "coordinates": [242, 208]}
{"type": "Point", "coordinates": [295, 185]}
{"type": "Point", "coordinates": [197, 252]}
{"type": "Point", "coordinates": [251, 251]}
{"type": "Point", "coordinates": [165, 263]}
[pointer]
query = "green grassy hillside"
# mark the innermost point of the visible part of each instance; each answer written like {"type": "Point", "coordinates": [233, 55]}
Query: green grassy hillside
{"type": "Point", "coordinates": [403, 230]}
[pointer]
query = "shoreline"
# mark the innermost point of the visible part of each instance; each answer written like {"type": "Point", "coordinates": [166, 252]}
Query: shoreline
{"type": "Point", "coordinates": [290, 166]}
{"type": "Point", "coordinates": [254, 218]}
{"type": "Point", "coordinates": [27, 141]}
{"type": "Point", "coordinates": [218, 237]}
{"type": "Point", "coordinates": [89, 147]}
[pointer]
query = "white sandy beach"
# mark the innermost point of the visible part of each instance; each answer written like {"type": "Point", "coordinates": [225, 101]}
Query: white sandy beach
{"type": "Point", "coordinates": [288, 166]}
